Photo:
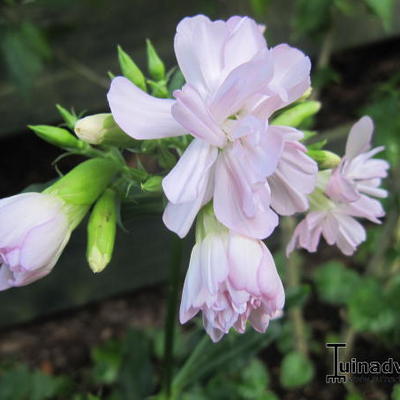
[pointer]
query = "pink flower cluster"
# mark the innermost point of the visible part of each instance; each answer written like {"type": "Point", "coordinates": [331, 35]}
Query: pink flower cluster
{"type": "Point", "coordinates": [238, 175]}
{"type": "Point", "coordinates": [249, 170]}
{"type": "Point", "coordinates": [343, 195]}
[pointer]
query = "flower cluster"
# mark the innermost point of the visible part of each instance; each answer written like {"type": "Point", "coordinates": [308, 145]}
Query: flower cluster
{"type": "Point", "coordinates": [250, 170]}
{"type": "Point", "coordinates": [342, 194]}
{"type": "Point", "coordinates": [243, 167]}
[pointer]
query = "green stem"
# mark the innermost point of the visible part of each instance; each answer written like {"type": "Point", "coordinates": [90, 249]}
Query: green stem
{"type": "Point", "coordinates": [293, 274]}
{"type": "Point", "coordinates": [185, 371]}
{"type": "Point", "coordinates": [170, 322]}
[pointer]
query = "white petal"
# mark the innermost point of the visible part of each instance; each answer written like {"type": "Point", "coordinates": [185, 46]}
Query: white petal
{"type": "Point", "coordinates": [182, 184]}
{"type": "Point", "coordinates": [140, 115]}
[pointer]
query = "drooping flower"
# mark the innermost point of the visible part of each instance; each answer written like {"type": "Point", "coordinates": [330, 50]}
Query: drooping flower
{"type": "Point", "coordinates": [342, 195]}
{"type": "Point", "coordinates": [233, 84]}
{"type": "Point", "coordinates": [231, 279]}
{"type": "Point", "coordinates": [34, 229]}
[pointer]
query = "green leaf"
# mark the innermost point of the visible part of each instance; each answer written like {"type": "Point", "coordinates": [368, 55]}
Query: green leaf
{"type": "Point", "coordinates": [36, 40]}
{"type": "Point", "coordinates": [107, 361]}
{"type": "Point", "coordinates": [335, 282]}
{"type": "Point", "coordinates": [130, 70]}
{"type": "Point", "coordinates": [268, 395]}
{"type": "Point", "coordinates": [19, 383]}
{"type": "Point", "coordinates": [297, 296]}
{"type": "Point", "coordinates": [395, 392]}
{"type": "Point", "coordinates": [259, 7]}
{"type": "Point", "coordinates": [369, 311]}
{"type": "Point", "coordinates": [166, 159]}
{"type": "Point", "coordinates": [383, 9]}
{"type": "Point", "coordinates": [296, 370]}
{"type": "Point", "coordinates": [354, 396]}
{"type": "Point", "coordinates": [255, 380]}
{"type": "Point", "coordinates": [135, 381]}
{"type": "Point", "coordinates": [312, 16]}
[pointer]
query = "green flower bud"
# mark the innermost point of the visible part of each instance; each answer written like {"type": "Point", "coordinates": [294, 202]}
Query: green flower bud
{"type": "Point", "coordinates": [57, 136]}
{"type": "Point", "coordinates": [156, 66]}
{"type": "Point", "coordinates": [101, 231]}
{"type": "Point", "coordinates": [102, 129]}
{"type": "Point", "coordinates": [325, 159]}
{"type": "Point", "coordinates": [86, 182]}
{"type": "Point", "coordinates": [130, 70]}
{"type": "Point", "coordinates": [294, 116]}
{"type": "Point", "coordinates": [153, 184]}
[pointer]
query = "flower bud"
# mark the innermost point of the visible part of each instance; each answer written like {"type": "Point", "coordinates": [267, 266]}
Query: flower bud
{"type": "Point", "coordinates": [101, 231]}
{"type": "Point", "coordinates": [153, 184]}
{"type": "Point", "coordinates": [34, 229]}
{"type": "Point", "coordinates": [57, 136]}
{"type": "Point", "coordinates": [130, 70]}
{"type": "Point", "coordinates": [156, 66]}
{"type": "Point", "coordinates": [85, 183]}
{"type": "Point", "coordinates": [296, 115]}
{"type": "Point", "coordinates": [102, 129]}
{"type": "Point", "coordinates": [325, 159]}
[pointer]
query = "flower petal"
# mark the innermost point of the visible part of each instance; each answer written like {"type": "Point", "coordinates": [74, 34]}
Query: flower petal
{"type": "Point", "coordinates": [359, 139]}
{"type": "Point", "coordinates": [241, 84]}
{"type": "Point", "coordinates": [140, 115]}
{"type": "Point", "coordinates": [238, 207]}
{"type": "Point", "coordinates": [179, 217]}
{"type": "Point", "coordinates": [244, 34]}
{"type": "Point", "coordinates": [182, 184]}
{"type": "Point", "coordinates": [192, 113]}
{"type": "Point", "coordinates": [245, 257]}
{"type": "Point", "coordinates": [199, 45]}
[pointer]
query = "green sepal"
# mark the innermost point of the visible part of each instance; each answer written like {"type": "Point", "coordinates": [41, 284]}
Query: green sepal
{"type": "Point", "coordinates": [86, 182]}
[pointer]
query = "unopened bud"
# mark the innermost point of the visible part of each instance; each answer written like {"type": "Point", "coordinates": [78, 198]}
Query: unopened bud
{"type": "Point", "coordinates": [156, 66]}
{"type": "Point", "coordinates": [57, 136]}
{"type": "Point", "coordinates": [130, 70]}
{"type": "Point", "coordinates": [101, 231]}
{"type": "Point", "coordinates": [102, 129]}
{"type": "Point", "coordinates": [153, 184]}
{"type": "Point", "coordinates": [325, 159]}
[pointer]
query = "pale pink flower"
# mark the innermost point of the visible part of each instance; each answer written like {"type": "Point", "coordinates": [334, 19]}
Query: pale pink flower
{"type": "Point", "coordinates": [233, 84]}
{"type": "Point", "coordinates": [342, 195]}
{"type": "Point", "coordinates": [358, 172]}
{"type": "Point", "coordinates": [232, 279]}
{"type": "Point", "coordinates": [337, 224]}
{"type": "Point", "coordinates": [34, 230]}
